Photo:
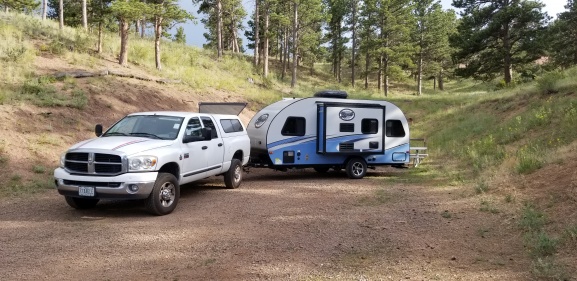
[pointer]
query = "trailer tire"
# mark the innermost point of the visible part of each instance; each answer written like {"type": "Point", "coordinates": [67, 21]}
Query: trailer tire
{"type": "Point", "coordinates": [233, 177]}
{"type": "Point", "coordinates": [356, 168]}
{"type": "Point", "coordinates": [164, 196]}
{"type": "Point", "coordinates": [321, 169]}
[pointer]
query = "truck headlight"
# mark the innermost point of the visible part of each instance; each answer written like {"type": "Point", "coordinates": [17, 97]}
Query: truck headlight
{"type": "Point", "coordinates": [62, 160]}
{"type": "Point", "coordinates": [142, 163]}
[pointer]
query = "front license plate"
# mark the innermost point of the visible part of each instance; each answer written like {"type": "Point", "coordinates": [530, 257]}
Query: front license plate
{"type": "Point", "coordinates": [86, 191]}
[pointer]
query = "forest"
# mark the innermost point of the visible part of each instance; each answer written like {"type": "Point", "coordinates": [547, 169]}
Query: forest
{"type": "Point", "coordinates": [370, 43]}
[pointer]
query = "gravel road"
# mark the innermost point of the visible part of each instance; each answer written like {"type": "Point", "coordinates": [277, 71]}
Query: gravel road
{"type": "Point", "coordinates": [297, 225]}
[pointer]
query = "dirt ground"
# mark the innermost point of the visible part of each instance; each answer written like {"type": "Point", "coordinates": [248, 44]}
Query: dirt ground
{"type": "Point", "coordinates": [296, 225]}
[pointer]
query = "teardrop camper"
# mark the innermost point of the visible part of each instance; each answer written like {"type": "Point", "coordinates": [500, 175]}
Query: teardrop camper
{"type": "Point", "coordinates": [329, 131]}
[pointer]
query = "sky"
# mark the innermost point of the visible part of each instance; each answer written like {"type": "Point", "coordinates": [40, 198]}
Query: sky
{"type": "Point", "coordinates": [194, 30]}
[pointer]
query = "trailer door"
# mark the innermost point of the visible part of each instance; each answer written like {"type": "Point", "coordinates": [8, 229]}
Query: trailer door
{"type": "Point", "coordinates": [350, 128]}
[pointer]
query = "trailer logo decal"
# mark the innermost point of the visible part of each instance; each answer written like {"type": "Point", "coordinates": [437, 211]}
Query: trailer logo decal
{"type": "Point", "coordinates": [347, 114]}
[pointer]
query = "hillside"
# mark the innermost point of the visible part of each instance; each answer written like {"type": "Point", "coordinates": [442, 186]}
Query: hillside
{"type": "Point", "coordinates": [514, 151]}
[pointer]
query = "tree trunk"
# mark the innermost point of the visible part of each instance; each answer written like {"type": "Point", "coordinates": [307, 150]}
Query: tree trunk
{"type": "Point", "coordinates": [84, 16]}
{"type": "Point", "coordinates": [295, 45]}
{"type": "Point", "coordinates": [420, 74]}
{"type": "Point", "coordinates": [367, 63]}
{"type": "Point", "coordinates": [266, 41]}
{"type": "Point", "coordinates": [142, 27]}
{"type": "Point", "coordinates": [124, 29]}
{"type": "Point", "coordinates": [286, 53]}
{"type": "Point", "coordinates": [157, 35]}
{"type": "Point", "coordinates": [354, 46]}
{"type": "Point", "coordinates": [380, 73]}
{"type": "Point", "coordinates": [507, 62]}
{"type": "Point", "coordinates": [99, 45]}
{"type": "Point", "coordinates": [386, 72]}
{"type": "Point", "coordinates": [137, 27]}
{"type": "Point", "coordinates": [441, 80]}
{"type": "Point", "coordinates": [44, 9]}
{"type": "Point", "coordinates": [219, 28]}
{"type": "Point", "coordinates": [61, 14]}
{"type": "Point", "coordinates": [256, 32]}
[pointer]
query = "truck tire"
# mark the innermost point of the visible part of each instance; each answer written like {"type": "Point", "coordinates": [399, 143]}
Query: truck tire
{"type": "Point", "coordinates": [233, 177]}
{"type": "Point", "coordinates": [164, 196]}
{"type": "Point", "coordinates": [81, 203]}
{"type": "Point", "coordinates": [356, 168]}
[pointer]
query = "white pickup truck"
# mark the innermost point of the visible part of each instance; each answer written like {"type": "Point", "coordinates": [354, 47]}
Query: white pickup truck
{"type": "Point", "coordinates": [149, 155]}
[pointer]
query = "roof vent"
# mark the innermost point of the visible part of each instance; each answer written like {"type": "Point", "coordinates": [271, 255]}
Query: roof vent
{"type": "Point", "coordinates": [331, 94]}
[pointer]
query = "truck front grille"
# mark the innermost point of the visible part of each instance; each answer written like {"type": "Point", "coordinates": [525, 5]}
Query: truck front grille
{"type": "Point", "coordinates": [89, 163]}
{"type": "Point", "coordinates": [92, 183]}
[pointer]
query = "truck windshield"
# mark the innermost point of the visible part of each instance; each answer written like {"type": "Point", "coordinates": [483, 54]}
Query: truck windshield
{"type": "Point", "coordinates": [147, 126]}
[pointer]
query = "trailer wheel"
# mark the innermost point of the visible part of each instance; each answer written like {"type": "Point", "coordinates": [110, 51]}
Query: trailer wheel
{"type": "Point", "coordinates": [321, 169]}
{"type": "Point", "coordinates": [233, 177]}
{"type": "Point", "coordinates": [356, 168]}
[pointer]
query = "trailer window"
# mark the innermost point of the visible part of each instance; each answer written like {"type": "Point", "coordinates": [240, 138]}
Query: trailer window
{"type": "Point", "coordinates": [395, 129]}
{"type": "Point", "coordinates": [209, 124]}
{"type": "Point", "coordinates": [294, 126]}
{"type": "Point", "coordinates": [370, 126]}
{"type": "Point", "coordinates": [231, 125]}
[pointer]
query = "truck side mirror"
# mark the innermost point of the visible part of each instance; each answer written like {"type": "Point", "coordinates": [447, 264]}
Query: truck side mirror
{"type": "Point", "coordinates": [98, 130]}
{"type": "Point", "coordinates": [207, 133]}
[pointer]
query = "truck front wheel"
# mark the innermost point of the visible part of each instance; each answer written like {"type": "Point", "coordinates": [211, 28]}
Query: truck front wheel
{"type": "Point", "coordinates": [81, 203]}
{"type": "Point", "coordinates": [233, 176]}
{"type": "Point", "coordinates": [164, 196]}
{"type": "Point", "coordinates": [356, 168]}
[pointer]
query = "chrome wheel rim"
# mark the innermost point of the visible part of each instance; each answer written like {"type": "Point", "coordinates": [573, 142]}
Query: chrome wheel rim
{"type": "Point", "coordinates": [167, 194]}
{"type": "Point", "coordinates": [358, 168]}
{"type": "Point", "coordinates": [237, 174]}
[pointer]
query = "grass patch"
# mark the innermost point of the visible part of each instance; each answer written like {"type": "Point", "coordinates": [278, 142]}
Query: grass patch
{"type": "Point", "coordinates": [548, 269]}
{"type": "Point", "coordinates": [541, 244]}
{"type": "Point", "coordinates": [17, 187]}
{"type": "Point", "coordinates": [446, 214]}
{"type": "Point", "coordinates": [39, 169]}
{"type": "Point", "coordinates": [529, 159]}
{"type": "Point", "coordinates": [486, 206]}
{"type": "Point", "coordinates": [481, 187]}
{"type": "Point", "coordinates": [532, 220]}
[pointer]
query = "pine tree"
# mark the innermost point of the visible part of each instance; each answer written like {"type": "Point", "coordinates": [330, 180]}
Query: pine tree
{"type": "Point", "coordinates": [127, 11]}
{"type": "Point", "coordinates": [19, 5]}
{"type": "Point", "coordinates": [496, 36]}
{"type": "Point", "coordinates": [179, 37]}
{"type": "Point", "coordinates": [562, 37]}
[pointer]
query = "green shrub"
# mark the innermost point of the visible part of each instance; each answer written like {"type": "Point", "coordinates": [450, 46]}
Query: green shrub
{"type": "Point", "coordinates": [542, 245]}
{"type": "Point", "coordinates": [532, 220]}
{"type": "Point", "coordinates": [549, 83]}
{"type": "Point", "coordinates": [79, 99]}
{"type": "Point", "coordinates": [529, 159]}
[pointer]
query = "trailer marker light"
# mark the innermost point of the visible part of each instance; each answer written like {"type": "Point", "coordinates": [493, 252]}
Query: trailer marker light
{"type": "Point", "coordinates": [270, 152]}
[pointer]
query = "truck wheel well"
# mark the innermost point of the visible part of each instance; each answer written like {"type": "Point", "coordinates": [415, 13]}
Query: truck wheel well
{"type": "Point", "coordinates": [238, 155]}
{"type": "Point", "coordinates": [171, 168]}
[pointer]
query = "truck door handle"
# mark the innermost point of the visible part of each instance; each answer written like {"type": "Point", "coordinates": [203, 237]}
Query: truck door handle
{"type": "Point", "coordinates": [204, 147]}
{"type": "Point", "coordinates": [220, 144]}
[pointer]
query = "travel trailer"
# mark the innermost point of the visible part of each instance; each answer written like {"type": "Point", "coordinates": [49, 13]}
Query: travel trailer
{"type": "Point", "coordinates": [329, 131]}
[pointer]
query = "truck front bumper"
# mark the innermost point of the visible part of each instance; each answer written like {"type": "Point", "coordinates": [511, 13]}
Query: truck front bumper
{"type": "Point", "coordinates": [125, 186]}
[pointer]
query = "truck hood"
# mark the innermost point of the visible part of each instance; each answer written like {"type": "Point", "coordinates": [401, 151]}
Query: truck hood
{"type": "Point", "coordinates": [128, 145]}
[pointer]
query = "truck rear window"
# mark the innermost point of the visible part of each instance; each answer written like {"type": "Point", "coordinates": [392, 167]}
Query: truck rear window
{"type": "Point", "coordinates": [231, 125]}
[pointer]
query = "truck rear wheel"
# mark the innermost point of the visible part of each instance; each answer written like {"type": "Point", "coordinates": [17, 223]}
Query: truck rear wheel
{"type": "Point", "coordinates": [356, 168]}
{"type": "Point", "coordinates": [164, 196]}
{"type": "Point", "coordinates": [81, 203]}
{"type": "Point", "coordinates": [233, 176]}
